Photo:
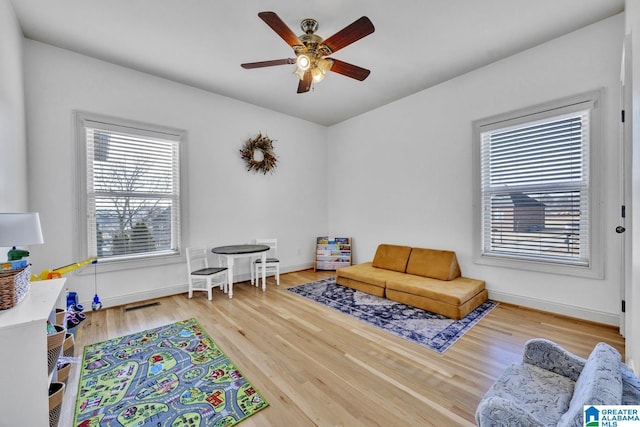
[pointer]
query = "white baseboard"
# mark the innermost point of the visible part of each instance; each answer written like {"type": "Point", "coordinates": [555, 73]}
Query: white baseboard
{"type": "Point", "coordinates": [556, 307]}
{"type": "Point", "coordinates": [298, 267]}
{"type": "Point", "coordinates": [553, 307]}
{"type": "Point", "coordinates": [175, 289]}
{"type": "Point", "coordinates": [138, 296]}
{"type": "Point", "coordinates": [245, 276]}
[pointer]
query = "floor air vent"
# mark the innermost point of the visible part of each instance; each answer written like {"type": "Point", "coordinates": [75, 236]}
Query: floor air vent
{"type": "Point", "coordinates": [138, 307]}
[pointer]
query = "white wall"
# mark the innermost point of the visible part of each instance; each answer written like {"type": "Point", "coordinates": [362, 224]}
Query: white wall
{"type": "Point", "coordinates": [403, 173]}
{"type": "Point", "coordinates": [13, 151]}
{"type": "Point", "coordinates": [226, 204]}
{"type": "Point", "coordinates": [400, 174]}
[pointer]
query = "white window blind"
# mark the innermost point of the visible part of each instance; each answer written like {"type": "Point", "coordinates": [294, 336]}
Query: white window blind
{"type": "Point", "coordinates": [535, 187]}
{"type": "Point", "coordinates": [132, 191]}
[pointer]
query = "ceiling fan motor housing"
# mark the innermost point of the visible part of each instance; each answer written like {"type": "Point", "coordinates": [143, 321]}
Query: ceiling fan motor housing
{"type": "Point", "coordinates": [309, 25]}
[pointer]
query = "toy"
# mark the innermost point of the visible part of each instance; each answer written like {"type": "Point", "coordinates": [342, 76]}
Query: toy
{"type": "Point", "coordinates": [16, 254]}
{"type": "Point", "coordinates": [74, 310]}
{"type": "Point", "coordinates": [72, 301]}
{"type": "Point", "coordinates": [96, 304]}
{"type": "Point", "coordinates": [58, 272]}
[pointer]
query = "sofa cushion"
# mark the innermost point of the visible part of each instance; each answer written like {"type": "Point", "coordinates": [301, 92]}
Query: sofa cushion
{"type": "Point", "coordinates": [542, 394]}
{"type": "Point", "coordinates": [498, 412]}
{"type": "Point", "coordinates": [455, 292]}
{"type": "Point", "coordinates": [433, 263]}
{"type": "Point", "coordinates": [392, 257]}
{"type": "Point", "coordinates": [630, 386]}
{"type": "Point", "coordinates": [599, 383]}
{"type": "Point", "coordinates": [366, 272]}
{"type": "Point", "coordinates": [548, 355]}
{"type": "Point", "coordinates": [452, 311]}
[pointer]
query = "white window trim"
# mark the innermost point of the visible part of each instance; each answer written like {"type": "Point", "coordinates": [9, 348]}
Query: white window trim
{"type": "Point", "coordinates": [80, 248]}
{"type": "Point", "coordinates": [595, 269]}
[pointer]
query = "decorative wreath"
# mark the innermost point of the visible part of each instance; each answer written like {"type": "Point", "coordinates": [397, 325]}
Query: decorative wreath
{"type": "Point", "coordinates": [264, 144]}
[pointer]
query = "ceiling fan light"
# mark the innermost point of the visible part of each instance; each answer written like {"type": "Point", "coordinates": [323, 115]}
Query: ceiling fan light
{"type": "Point", "coordinates": [299, 73]}
{"type": "Point", "coordinates": [303, 62]}
{"type": "Point", "coordinates": [324, 65]}
{"type": "Point", "coordinates": [317, 74]}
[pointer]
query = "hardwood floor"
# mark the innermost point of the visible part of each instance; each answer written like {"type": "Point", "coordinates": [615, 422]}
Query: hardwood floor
{"type": "Point", "coordinates": [319, 367]}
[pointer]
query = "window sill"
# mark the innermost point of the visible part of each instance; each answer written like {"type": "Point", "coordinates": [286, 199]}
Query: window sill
{"type": "Point", "coordinates": [133, 263]}
{"type": "Point", "coordinates": [591, 272]}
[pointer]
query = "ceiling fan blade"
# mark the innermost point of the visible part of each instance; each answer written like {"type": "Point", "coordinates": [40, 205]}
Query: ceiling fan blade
{"type": "Point", "coordinates": [271, 63]}
{"type": "Point", "coordinates": [349, 34]}
{"type": "Point", "coordinates": [305, 83]}
{"type": "Point", "coordinates": [349, 70]}
{"type": "Point", "coordinates": [277, 25]}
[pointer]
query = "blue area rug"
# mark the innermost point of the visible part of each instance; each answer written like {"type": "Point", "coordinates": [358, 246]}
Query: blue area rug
{"type": "Point", "coordinates": [433, 331]}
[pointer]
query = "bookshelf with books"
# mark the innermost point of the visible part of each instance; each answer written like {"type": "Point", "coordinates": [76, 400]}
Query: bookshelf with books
{"type": "Point", "coordinates": [332, 252]}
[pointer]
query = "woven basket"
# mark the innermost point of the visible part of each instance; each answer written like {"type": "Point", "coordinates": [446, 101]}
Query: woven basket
{"type": "Point", "coordinates": [54, 344]}
{"type": "Point", "coordinates": [56, 392]}
{"type": "Point", "coordinates": [61, 314]}
{"type": "Point", "coordinates": [68, 345]}
{"type": "Point", "coordinates": [14, 286]}
{"type": "Point", "coordinates": [63, 372]}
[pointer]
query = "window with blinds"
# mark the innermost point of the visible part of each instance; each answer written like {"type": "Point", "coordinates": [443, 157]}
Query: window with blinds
{"type": "Point", "coordinates": [535, 186]}
{"type": "Point", "coordinates": [132, 191]}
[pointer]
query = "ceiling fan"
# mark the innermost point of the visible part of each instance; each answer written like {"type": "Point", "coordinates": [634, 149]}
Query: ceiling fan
{"type": "Point", "coordinates": [312, 61]}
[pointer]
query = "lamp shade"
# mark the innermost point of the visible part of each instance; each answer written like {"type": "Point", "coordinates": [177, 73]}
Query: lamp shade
{"type": "Point", "coordinates": [20, 229]}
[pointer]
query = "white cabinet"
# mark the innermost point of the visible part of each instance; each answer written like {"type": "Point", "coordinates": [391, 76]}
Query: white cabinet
{"type": "Point", "coordinates": [23, 356]}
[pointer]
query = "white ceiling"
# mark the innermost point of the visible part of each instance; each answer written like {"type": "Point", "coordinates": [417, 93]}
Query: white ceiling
{"type": "Point", "coordinates": [416, 44]}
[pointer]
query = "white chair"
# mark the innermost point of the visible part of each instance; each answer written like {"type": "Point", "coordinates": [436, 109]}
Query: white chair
{"type": "Point", "coordinates": [272, 265]}
{"type": "Point", "coordinates": [199, 271]}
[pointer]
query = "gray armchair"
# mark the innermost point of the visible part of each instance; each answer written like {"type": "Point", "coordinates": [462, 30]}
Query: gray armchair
{"type": "Point", "coordinates": [551, 385]}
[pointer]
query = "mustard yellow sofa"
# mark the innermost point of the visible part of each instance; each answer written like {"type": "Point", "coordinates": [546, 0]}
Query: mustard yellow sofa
{"type": "Point", "coordinates": [429, 279]}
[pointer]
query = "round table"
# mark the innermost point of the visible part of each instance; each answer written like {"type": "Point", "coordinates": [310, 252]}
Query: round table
{"type": "Point", "coordinates": [231, 252]}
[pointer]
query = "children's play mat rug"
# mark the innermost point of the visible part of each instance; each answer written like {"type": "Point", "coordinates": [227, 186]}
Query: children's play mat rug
{"type": "Point", "coordinates": [170, 376]}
